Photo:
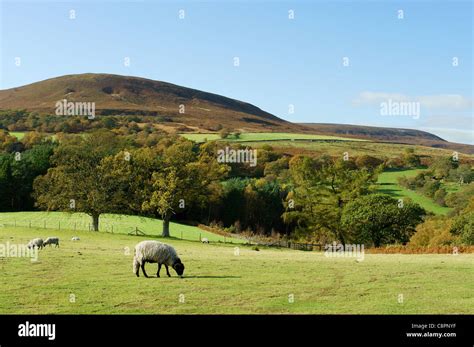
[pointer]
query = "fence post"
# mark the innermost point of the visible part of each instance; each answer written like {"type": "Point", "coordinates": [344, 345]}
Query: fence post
{"type": "Point", "coordinates": [199, 236]}
{"type": "Point", "coordinates": [181, 235]}
{"type": "Point", "coordinates": [112, 229]}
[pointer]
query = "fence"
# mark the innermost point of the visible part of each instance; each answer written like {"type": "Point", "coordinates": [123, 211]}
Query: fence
{"type": "Point", "coordinates": [108, 228]}
{"type": "Point", "coordinates": [135, 230]}
{"type": "Point", "coordinates": [293, 245]}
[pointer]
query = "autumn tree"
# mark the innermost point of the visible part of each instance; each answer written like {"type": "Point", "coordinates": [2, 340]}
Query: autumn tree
{"type": "Point", "coordinates": [187, 177]}
{"type": "Point", "coordinates": [79, 179]}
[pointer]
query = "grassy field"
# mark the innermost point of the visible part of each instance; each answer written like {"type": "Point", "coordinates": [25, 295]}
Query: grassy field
{"type": "Point", "coordinates": [246, 137]}
{"type": "Point", "coordinates": [18, 134]}
{"type": "Point", "coordinates": [94, 275]}
{"type": "Point", "coordinates": [389, 184]}
{"type": "Point", "coordinates": [382, 150]}
{"type": "Point", "coordinates": [118, 224]}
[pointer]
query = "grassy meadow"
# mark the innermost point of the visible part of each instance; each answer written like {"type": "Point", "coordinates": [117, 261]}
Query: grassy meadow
{"type": "Point", "coordinates": [248, 137]}
{"type": "Point", "coordinates": [388, 184]}
{"type": "Point", "coordinates": [337, 148]}
{"type": "Point", "coordinates": [112, 223]}
{"type": "Point", "coordinates": [18, 134]}
{"type": "Point", "coordinates": [94, 276]}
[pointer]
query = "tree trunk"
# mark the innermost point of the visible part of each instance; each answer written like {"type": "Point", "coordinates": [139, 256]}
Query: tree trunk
{"type": "Point", "coordinates": [342, 239]}
{"type": "Point", "coordinates": [166, 226]}
{"type": "Point", "coordinates": [95, 222]}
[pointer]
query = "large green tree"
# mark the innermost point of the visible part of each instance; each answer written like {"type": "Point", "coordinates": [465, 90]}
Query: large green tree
{"type": "Point", "coordinates": [321, 189]}
{"type": "Point", "coordinates": [79, 181]}
{"type": "Point", "coordinates": [188, 176]}
{"type": "Point", "coordinates": [379, 219]}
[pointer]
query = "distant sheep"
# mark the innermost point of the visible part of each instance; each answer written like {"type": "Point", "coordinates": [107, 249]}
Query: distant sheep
{"type": "Point", "coordinates": [35, 243]}
{"type": "Point", "coordinates": [51, 241]}
{"type": "Point", "coordinates": [75, 238]}
{"type": "Point", "coordinates": [205, 240]}
{"type": "Point", "coordinates": [156, 252]}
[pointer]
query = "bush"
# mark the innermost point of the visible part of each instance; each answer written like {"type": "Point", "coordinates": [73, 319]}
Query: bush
{"type": "Point", "coordinates": [430, 187]}
{"type": "Point", "coordinates": [433, 232]}
{"type": "Point", "coordinates": [439, 197]}
{"type": "Point", "coordinates": [224, 133]}
{"type": "Point", "coordinates": [464, 227]}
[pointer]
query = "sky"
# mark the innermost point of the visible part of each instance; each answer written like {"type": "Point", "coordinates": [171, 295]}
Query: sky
{"type": "Point", "coordinates": [304, 61]}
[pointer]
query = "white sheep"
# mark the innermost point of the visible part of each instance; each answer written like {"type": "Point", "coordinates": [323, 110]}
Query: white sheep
{"type": "Point", "coordinates": [35, 243]}
{"type": "Point", "coordinates": [156, 252]}
{"type": "Point", "coordinates": [75, 238]}
{"type": "Point", "coordinates": [51, 241]}
{"type": "Point", "coordinates": [205, 240]}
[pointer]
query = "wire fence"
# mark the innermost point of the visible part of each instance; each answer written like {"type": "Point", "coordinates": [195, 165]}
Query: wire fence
{"type": "Point", "coordinates": [126, 228]}
{"type": "Point", "coordinates": [116, 228]}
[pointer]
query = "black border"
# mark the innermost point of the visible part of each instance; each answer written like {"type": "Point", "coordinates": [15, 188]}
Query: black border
{"type": "Point", "coordinates": [377, 330]}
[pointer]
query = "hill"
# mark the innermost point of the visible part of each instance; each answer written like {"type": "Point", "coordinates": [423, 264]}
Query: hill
{"type": "Point", "coordinates": [115, 95]}
{"type": "Point", "coordinates": [203, 112]}
{"type": "Point", "coordinates": [391, 135]}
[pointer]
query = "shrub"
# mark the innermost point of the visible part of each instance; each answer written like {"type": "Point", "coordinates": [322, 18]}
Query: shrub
{"type": "Point", "coordinates": [432, 233]}
{"type": "Point", "coordinates": [224, 133]}
{"type": "Point", "coordinates": [439, 196]}
{"type": "Point", "coordinates": [464, 227]}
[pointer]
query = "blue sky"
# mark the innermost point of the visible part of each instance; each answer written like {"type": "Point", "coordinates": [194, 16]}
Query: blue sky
{"type": "Point", "coordinates": [283, 61]}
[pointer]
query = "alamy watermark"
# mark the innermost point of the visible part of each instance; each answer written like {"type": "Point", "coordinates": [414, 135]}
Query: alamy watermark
{"type": "Point", "coordinates": [13, 250]}
{"type": "Point", "coordinates": [65, 108]}
{"type": "Point", "coordinates": [334, 250]}
{"type": "Point", "coordinates": [229, 155]}
{"type": "Point", "coordinates": [400, 108]}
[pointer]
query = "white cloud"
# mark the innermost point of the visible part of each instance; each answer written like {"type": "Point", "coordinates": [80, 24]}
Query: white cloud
{"type": "Point", "coordinates": [436, 102]}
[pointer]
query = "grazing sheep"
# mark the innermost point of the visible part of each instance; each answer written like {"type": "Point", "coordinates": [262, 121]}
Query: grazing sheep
{"type": "Point", "coordinates": [156, 252]}
{"type": "Point", "coordinates": [35, 243]}
{"type": "Point", "coordinates": [75, 238]}
{"type": "Point", "coordinates": [205, 240]}
{"type": "Point", "coordinates": [51, 241]}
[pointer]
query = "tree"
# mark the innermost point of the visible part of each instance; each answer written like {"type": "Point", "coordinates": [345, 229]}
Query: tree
{"type": "Point", "coordinates": [224, 133]}
{"type": "Point", "coordinates": [368, 162]}
{"type": "Point", "coordinates": [79, 181]}
{"type": "Point", "coordinates": [410, 159]}
{"type": "Point", "coordinates": [433, 232]}
{"type": "Point", "coordinates": [186, 178]}
{"type": "Point", "coordinates": [463, 225]}
{"type": "Point", "coordinates": [379, 219]}
{"type": "Point", "coordinates": [321, 189]}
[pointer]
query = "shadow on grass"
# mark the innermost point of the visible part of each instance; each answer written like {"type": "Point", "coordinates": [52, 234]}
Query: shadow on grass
{"type": "Point", "coordinates": [211, 276]}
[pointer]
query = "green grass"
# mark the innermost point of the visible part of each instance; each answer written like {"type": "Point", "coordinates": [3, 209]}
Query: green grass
{"type": "Point", "coordinates": [97, 271]}
{"type": "Point", "coordinates": [18, 134]}
{"type": "Point", "coordinates": [246, 137]}
{"type": "Point", "coordinates": [388, 184]}
{"type": "Point", "coordinates": [119, 224]}
{"type": "Point", "coordinates": [337, 148]}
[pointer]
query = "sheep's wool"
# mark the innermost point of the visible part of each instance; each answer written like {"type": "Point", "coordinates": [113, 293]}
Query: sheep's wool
{"type": "Point", "coordinates": [154, 252]}
{"type": "Point", "coordinates": [35, 243]}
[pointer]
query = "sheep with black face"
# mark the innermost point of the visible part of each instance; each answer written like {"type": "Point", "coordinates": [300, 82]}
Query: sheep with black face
{"type": "Point", "coordinates": [156, 252]}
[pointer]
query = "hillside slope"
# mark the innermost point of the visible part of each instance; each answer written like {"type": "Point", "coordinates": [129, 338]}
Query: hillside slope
{"type": "Point", "coordinates": [391, 135]}
{"type": "Point", "coordinates": [114, 94]}
{"type": "Point", "coordinates": [181, 109]}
